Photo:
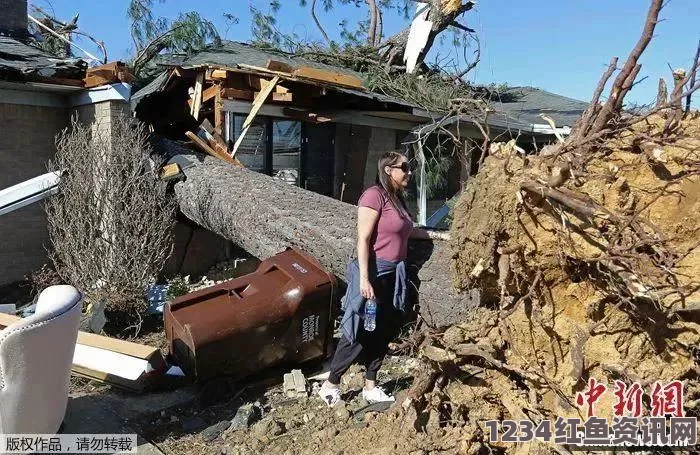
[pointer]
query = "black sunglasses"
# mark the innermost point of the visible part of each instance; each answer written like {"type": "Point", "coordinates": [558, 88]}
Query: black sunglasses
{"type": "Point", "coordinates": [405, 167]}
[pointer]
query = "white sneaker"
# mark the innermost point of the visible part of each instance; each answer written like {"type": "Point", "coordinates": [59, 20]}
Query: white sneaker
{"type": "Point", "coordinates": [330, 395]}
{"type": "Point", "coordinates": [376, 395]}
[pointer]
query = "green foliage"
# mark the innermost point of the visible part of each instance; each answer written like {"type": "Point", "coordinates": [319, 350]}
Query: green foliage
{"type": "Point", "coordinates": [189, 31]}
{"type": "Point", "coordinates": [177, 286]}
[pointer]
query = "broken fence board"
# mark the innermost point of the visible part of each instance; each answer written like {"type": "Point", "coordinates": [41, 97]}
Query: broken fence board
{"type": "Point", "coordinates": [257, 104]}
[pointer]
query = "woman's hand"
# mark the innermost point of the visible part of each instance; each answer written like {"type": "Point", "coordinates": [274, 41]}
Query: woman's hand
{"type": "Point", "coordinates": [429, 234]}
{"type": "Point", "coordinates": [439, 235]}
{"type": "Point", "coordinates": [366, 288]}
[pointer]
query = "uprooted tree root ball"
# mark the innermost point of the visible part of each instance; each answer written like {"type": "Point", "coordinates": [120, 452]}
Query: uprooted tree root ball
{"type": "Point", "coordinates": [596, 275]}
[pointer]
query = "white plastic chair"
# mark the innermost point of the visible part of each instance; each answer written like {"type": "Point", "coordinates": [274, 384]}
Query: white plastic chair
{"type": "Point", "coordinates": [36, 354]}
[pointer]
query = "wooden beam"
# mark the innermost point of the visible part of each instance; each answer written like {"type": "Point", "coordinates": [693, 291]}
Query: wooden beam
{"type": "Point", "coordinates": [218, 109]}
{"type": "Point", "coordinates": [209, 93]}
{"type": "Point", "coordinates": [281, 97]}
{"type": "Point", "coordinates": [197, 99]}
{"type": "Point", "coordinates": [257, 83]}
{"type": "Point", "coordinates": [203, 146]}
{"type": "Point", "coordinates": [215, 74]}
{"type": "Point", "coordinates": [257, 104]}
{"type": "Point", "coordinates": [206, 94]}
{"type": "Point", "coordinates": [275, 65]}
{"type": "Point", "coordinates": [211, 141]}
{"type": "Point", "coordinates": [209, 128]}
{"type": "Point", "coordinates": [316, 74]}
{"type": "Point", "coordinates": [227, 92]}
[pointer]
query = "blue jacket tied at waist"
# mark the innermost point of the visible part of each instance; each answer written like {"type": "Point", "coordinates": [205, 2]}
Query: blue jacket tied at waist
{"type": "Point", "coordinates": [353, 302]}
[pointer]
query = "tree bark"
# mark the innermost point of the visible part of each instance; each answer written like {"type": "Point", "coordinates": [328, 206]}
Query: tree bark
{"type": "Point", "coordinates": [264, 216]}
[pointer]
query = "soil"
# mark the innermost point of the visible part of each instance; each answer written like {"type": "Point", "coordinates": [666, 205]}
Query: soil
{"type": "Point", "coordinates": [560, 306]}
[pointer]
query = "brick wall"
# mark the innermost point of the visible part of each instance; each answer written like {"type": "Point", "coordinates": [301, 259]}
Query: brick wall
{"type": "Point", "coordinates": [27, 144]}
{"type": "Point", "coordinates": [13, 19]}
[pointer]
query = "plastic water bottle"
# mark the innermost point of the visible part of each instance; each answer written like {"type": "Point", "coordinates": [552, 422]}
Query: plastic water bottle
{"type": "Point", "coordinates": [370, 315]}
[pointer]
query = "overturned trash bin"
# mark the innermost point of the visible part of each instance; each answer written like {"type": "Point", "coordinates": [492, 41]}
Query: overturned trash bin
{"type": "Point", "coordinates": [279, 314]}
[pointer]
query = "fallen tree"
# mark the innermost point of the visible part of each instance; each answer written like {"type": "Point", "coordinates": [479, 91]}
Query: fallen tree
{"type": "Point", "coordinates": [264, 216]}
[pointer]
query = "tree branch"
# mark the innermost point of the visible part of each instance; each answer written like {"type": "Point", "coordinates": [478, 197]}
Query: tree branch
{"type": "Point", "coordinates": [617, 92]}
{"type": "Point", "coordinates": [152, 49]}
{"type": "Point", "coordinates": [462, 27]}
{"type": "Point", "coordinates": [696, 62]}
{"type": "Point", "coordinates": [372, 32]}
{"type": "Point", "coordinates": [318, 23]}
{"type": "Point", "coordinates": [473, 64]}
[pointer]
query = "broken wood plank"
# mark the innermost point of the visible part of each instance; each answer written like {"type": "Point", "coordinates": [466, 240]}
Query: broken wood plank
{"type": "Point", "coordinates": [275, 65]}
{"type": "Point", "coordinates": [218, 110]}
{"type": "Point", "coordinates": [170, 171]}
{"type": "Point", "coordinates": [97, 81]}
{"type": "Point", "coordinates": [209, 93]}
{"type": "Point", "coordinates": [281, 97]}
{"type": "Point", "coordinates": [316, 74]}
{"type": "Point", "coordinates": [197, 99]}
{"type": "Point", "coordinates": [206, 136]}
{"type": "Point", "coordinates": [91, 351]}
{"type": "Point", "coordinates": [206, 95]}
{"type": "Point", "coordinates": [203, 146]}
{"type": "Point", "coordinates": [61, 81]}
{"type": "Point", "coordinates": [209, 128]}
{"type": "Point", "coordinates": [257, 104]}
{"type": "Point", "coordinates": [257, 83]}
{"type": "Point", "coordinates": [125, 76]}
{"type": "Point", "coordinates": [227, 92]}
{"type": "Point", "coordinates": [217, 74]}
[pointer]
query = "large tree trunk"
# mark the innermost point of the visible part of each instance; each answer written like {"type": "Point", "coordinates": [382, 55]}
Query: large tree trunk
{"type": "Point", "coordinates": [264, 216]}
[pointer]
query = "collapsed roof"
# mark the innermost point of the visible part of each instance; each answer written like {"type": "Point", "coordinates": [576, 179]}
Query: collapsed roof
{"type": "Point", "coordinates": [20, 61]}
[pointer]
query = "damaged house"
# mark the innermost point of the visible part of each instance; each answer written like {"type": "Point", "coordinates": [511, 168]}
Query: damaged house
{"type": "Point", "coordinates": [316, 126]}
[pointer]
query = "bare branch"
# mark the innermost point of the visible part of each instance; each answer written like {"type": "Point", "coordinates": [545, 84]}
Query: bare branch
{"type": "Point", "coordinates": [694, 72]}
{"type": "Point", "coordinates": [462, 27]}
{"type": "Point", "coordinates": [318, 23]}
{"type": "Point", "coordinates": [372, 32]}
{"type": "Point", "coordinates": [617, 92]}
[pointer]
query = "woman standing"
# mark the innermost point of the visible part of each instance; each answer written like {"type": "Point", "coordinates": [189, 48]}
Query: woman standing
{"type": "Point", "coordinates": [378, 273]}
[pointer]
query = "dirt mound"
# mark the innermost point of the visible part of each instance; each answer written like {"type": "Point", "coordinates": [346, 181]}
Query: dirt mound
{"type": "Point", "coordinates": [589, 265]}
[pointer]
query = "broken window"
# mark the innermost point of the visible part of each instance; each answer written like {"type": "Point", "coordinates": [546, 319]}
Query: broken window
{"type": "Point", "coordinates": [286, 150]}
{"type": "Point", "coordinates": [253, 148]}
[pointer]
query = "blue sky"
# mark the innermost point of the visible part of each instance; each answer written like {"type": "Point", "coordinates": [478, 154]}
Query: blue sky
{"type": "Point", "coordinates": [561, 46]}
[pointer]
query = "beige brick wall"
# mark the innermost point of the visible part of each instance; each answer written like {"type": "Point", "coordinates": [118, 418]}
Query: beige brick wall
{"type": "Point", "coordinates": [28, 142]}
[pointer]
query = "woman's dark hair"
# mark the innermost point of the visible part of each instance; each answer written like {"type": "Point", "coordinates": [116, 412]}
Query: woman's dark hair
{"type": "Point", "coordinates": [383, 180]}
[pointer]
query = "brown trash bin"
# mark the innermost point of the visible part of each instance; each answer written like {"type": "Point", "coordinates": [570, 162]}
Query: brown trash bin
{"type": "Point", "coordinates": [281, 313]}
